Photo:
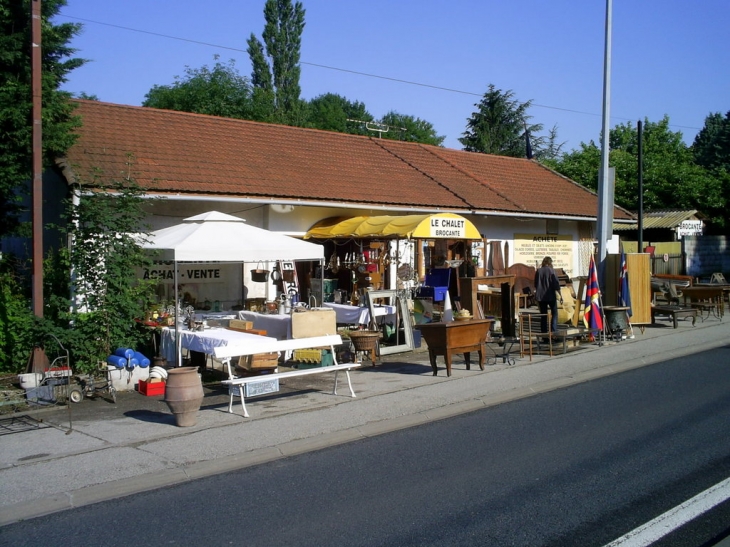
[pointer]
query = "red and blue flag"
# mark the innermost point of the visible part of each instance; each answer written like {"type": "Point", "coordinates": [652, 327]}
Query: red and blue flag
{"type": "Point", "coordinates": [592, 312]}
{"type": "Point", "coordinates": [624, 293]}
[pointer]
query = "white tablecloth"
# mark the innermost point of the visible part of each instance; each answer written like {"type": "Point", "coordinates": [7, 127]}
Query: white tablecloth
{"type": "Point", "coordinates": [354, 315]}
{"type": "Point", "coordinates": [275, 325]}
{"type": "Point", "coordinates": [204, 341]}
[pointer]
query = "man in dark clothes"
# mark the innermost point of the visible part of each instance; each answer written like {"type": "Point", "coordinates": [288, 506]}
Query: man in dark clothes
{"type": "Point", "coordinates": [547, 287]}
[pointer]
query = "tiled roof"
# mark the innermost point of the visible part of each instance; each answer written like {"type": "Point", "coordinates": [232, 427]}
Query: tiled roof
{"type": "Point", "coordinates": [183, 153]}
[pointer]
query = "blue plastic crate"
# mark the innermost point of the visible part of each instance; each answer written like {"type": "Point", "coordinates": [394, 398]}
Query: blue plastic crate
{"type": "Point", "coordinates": [436, 284]}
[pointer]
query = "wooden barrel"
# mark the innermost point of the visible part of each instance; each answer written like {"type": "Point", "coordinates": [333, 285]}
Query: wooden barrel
{"type": "Point", "coordinates": [184, 394]}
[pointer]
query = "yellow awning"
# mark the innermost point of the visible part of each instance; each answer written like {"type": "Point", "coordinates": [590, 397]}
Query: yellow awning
{"type": "Point", "coordinates": [434, 226]}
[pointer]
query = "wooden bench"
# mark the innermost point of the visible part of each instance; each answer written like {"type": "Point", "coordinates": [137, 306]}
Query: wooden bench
{"type": "Point", "coordinates": [237, 386]}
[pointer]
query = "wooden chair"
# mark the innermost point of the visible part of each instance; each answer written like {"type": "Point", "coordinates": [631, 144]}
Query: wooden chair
{"type": "Point", "coordinates": [531, 335]}
{"type": "Point", "coordinates": [672, 295]}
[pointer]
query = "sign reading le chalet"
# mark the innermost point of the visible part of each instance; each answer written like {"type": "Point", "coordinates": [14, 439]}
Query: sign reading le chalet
{"type": "Point", "coordinates": [448, 227]}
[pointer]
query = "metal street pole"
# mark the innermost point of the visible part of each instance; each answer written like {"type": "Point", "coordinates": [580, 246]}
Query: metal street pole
{"type": "Point", "coordinates": [640, 167]}
{"type": "Point", "coordinates": [37, 188]}
{"type": "Point", "coordinates": [605, 215]}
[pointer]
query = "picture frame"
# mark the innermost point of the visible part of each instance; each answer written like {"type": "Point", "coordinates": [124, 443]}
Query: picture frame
{"type": "Point", "coordinates": [400, 301]}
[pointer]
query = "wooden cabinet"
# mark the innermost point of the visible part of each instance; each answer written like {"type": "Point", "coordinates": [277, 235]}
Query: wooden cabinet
{"type": "Point", "coordinates": [469, 295]}
{"type": "Point", "coordinates": [639, 270]}
{"type": "Point", "coordinates": [456, 337]}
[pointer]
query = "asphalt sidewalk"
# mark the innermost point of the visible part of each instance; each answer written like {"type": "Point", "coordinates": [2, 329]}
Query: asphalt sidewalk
{"type": "Point", "coordinates": [97, 451]}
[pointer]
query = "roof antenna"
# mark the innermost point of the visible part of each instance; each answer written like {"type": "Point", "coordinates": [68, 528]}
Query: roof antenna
{"type": "Point", "coordinates": [380, 128]}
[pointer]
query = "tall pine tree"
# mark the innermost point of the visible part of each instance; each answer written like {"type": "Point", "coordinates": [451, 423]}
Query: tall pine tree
{"type": "Point", "coordinates": [499, 124]}
{"type": "Point", "coordinates": [276, 70]}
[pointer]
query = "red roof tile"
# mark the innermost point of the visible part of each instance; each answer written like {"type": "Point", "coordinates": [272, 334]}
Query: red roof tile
{"type": "Point", "coordinates": [178, 152]}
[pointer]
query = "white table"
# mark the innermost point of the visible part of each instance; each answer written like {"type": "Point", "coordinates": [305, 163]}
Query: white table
{"type": "Point", "coordinates": [360, 315]}
{"type": "Point", "coordinates": [205, 341]}
{"type": "Point", "coordinates": [276, 325]}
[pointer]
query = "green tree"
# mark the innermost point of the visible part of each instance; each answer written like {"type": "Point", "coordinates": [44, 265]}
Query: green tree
{"type": "Point", "coordinates": [499, 124]}
{"type": "Point", "coordinates": [220, 91]}
{"type": "Point", "coordinates": [16, 319]}
{"type": "Point", "coordinates": [276, 70]}
{"type": "Point", "coordinates": [711, 147]}
{"type": "Point", "coordinates": [552, 149]}
{"type": "Point", "coordinates": [407, 128]}
{"type": "Point", "coordinates": [331, 112]}
{"type": "Point", "coordinates": [106, 230]}
{"type": "Point", "coordinates": [672, 180]}
{"type": "Point", "coordinates": [16, 99]}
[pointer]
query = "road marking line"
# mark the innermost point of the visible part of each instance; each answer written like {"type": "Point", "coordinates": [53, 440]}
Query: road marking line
{"type": "Point", "coordinates": [653, 530]}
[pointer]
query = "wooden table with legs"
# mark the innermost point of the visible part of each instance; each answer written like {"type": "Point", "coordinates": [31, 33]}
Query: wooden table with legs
{"type": "Point", "coordinates": [456, 337]}
{"type": "Point", "coordinates": [705, 299]}
{"type": "Point", "coordinates": [674, 312]}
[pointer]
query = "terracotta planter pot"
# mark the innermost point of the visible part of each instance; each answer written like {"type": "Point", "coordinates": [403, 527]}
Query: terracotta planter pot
{"type": "Point", "coordinates": [183, 394]}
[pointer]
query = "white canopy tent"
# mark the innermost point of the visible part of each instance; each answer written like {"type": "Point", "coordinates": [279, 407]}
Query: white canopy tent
{"type": "Point", "coordinates": [218, 237]}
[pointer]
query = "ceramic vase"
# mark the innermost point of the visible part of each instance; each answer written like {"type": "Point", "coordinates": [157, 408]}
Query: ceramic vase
{"type": "Point", "coordinates": [184, 394]}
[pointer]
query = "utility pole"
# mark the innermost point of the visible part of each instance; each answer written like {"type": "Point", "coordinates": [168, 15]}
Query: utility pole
{"type": "Point", "coordinates": [605, 216]}
{"type": "Point", "coordinates": [640, 167]}
{"type": "Point", "coordinates": [37, 189]}
{"type": "Point", "coordinates": [38, 360]}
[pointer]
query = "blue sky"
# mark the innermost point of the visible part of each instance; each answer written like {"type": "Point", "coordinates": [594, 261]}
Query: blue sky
{"type": "Point", "coordinates": [669, 57]}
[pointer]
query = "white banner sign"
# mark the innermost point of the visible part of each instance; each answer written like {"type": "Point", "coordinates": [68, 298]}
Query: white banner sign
{"type": "Point", "coordinates": [530, 249]}
{"type": "Point", "coordinates": [690, 228]}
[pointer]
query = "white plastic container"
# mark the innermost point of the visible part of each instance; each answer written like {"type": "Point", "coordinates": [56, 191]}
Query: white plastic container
{"type": "Point", "coordinates": [31, 380]}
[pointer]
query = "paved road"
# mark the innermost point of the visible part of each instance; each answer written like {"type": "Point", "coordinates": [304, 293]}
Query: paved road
{"type": "Point", "coordinates": [577, 466]}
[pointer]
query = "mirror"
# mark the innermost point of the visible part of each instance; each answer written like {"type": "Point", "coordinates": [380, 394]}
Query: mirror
{"type": "Point", "coordinates": [404, 338]}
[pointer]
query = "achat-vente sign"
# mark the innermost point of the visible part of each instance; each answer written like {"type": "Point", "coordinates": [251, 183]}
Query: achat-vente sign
{"type": "Point", "coordinates": [192, 273]}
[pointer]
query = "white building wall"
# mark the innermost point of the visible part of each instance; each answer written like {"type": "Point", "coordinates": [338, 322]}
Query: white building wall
{"type": "Point", "coordinates": [569, 242]}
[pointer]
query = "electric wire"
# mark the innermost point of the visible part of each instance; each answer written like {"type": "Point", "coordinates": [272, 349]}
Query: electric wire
{"type": "Point", "coordinates": [349, 71]}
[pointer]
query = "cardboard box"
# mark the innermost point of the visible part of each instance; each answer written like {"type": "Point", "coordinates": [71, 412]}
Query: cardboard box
{"type": "Point", "coordinates": [239, 324]}
{"type": "Point", "coordinates": [259, 361]}
{"type": "Point", "coordinates": [150, 388]}
{"type": "Point", "coordinates": [314, 322]}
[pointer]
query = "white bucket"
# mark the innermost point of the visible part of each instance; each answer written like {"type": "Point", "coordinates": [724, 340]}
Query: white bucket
{"type": "Point", "coordinates": [31, 380]}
